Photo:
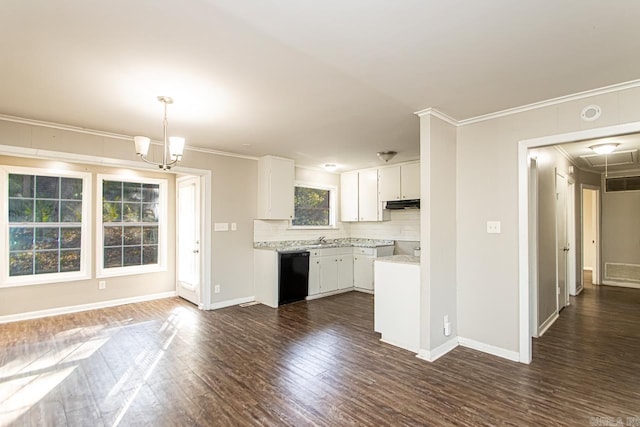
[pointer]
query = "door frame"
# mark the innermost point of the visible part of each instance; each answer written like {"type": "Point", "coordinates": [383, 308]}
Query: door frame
{"type": "Point", "coordinates": [562, 296]}
{"type": "Point", "coordinates": [596, 268]}
{"type": "Point", "coordinates": [524, 347]}
{"type": "Point", "coordinates": [571, 237]}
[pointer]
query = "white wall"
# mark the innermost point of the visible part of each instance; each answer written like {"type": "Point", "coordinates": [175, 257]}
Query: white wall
{"type": "Point", "coordinates": [438, 232]}
{"type": "Point", "coordinates": [487, 174]}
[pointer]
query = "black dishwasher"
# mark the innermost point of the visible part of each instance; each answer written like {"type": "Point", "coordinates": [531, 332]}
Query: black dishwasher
{"type": "Point", "coordinates": [293, 283]}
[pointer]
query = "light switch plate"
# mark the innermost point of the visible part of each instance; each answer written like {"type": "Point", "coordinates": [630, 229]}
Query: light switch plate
{"type": "Point", "coordinates": [221, 226]}
{"type": "Point", "coordinates": [493, 227]}
{"type": "Point", "coordinates": [234, 226]}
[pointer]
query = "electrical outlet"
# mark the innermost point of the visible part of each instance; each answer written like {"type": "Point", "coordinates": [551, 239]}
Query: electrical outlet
{"type": "Point", "coordinates": [493, 227]}
{"type": "Point", "coordinates": [216, 289]}
{"type": "Point", "coordinates": [102, 284]}
{"type": "Point", "coordinates": [234, 226]}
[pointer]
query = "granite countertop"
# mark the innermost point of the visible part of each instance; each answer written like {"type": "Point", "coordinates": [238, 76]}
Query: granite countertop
{"type": "Point", "coordinates": [305, 245]}
{"type": "Point", "coordinates": [400, 259]}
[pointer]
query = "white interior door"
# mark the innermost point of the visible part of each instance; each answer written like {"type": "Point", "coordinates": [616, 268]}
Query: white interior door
{"type": "Point", "coordinates": [188, 239]}
{"type": "Point", "coordinates": [562, 241]}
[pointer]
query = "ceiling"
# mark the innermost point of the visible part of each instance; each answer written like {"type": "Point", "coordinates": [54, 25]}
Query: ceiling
{"type": "Point", "coordinates": [332, 81]}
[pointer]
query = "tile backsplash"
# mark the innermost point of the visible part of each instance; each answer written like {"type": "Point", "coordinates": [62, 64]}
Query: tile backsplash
{"type": "Point", "coordinates": [404, 225]}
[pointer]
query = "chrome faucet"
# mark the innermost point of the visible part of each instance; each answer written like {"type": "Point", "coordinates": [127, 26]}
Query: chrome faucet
{"type": "Point", "coordinates": [322, 239]}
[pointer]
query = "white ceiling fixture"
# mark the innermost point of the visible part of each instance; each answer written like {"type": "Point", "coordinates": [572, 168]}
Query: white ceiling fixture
{"type": "Point", "coordinates": [606, 149]}
{"type": "Point", "coordinates": [386, 155]}
{"type": "Point", "coordinates": [171, 152]}
{"type": "Point", "coordinates": [330, 167]}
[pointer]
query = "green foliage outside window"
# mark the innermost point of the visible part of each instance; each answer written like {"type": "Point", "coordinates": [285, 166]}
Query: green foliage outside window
{"type": "Point", "coordinates": [312, 207]}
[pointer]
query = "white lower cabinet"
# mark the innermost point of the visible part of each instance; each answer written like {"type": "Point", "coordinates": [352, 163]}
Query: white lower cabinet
{"type": "Point", "coordinates": [330, 270]}
{"type": "Point", "coordinates": [363, 265]}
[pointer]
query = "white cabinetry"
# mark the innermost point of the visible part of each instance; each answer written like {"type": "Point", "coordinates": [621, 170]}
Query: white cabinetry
{"type": "Point", "coordinates": [359, 197]}
{"type": "Point", "coordinates": [363, 265]}
{"type": "Point", "coordinates": [330, 270]}
{"type": "Point", "coordinates": [275, 187]}
{"type": "Point", "coordinates": [410, 181]}
{"type": "Point", "coordinates": [401, 182]}
{"type": "Point", "coordinates": [349, 196]}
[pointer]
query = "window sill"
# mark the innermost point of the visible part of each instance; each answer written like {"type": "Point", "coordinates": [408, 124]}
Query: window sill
{"type": "Point", "coordinates": [44, 279]}
{"type": "Point", "coordinates": [129, 271]}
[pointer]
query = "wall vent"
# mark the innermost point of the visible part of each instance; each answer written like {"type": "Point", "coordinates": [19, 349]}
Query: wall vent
{"type": "Point", "coordinates": [626, 183]}
{"type": "Point", "coordinates": [622, 272]}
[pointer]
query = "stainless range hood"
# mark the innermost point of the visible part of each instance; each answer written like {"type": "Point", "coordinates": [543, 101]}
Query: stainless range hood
{"type": "Point", "coordinates": [402, 204]}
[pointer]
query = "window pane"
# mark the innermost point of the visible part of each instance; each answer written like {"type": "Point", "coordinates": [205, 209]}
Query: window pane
{"type": "Point", "coordinates": [46, 211]}
{"type": "Point", "coordinates": [132, 236]}
{"type": "Point", "coordinates": [70, 238]}
{"type": "Point", "coordinates": [20, 263]}
{"type": "Point", "coordinates": [150, 235]}
{"type": "Point", "coordinates": [312, 206]}
{"type": "Point", "coordinates": [150, 212]}
{"type": "Point", "coordinates": [47, 187]}
{"type": "Point", "coordinates": [71, 188]}
{"type": "Point", "coordinates": [70, 211]}
{"type": "Point", "coordinates": [150, 255]}
{"type": "Point", "coordinates": [111, 212]}
{"type": "Point", "coordinates": [112, 257]}
{"type": "Point", "coordinates": [132, 256]}
{"type": "Point", "coordinates": [20, 239]}
{"type": "Point", "coordinates": [21, 210]}
{"type": "Point", "coordinates": [20, 186]}
{"type": "Point", "coordinates": [46, 262]}
{"type": "Point", "coordinates": [47, 238]}
{"type": "Point", "coordinates": [112, 191]}
{"type": "Point", "coordinates": [113, 236]}
{"type": "Point", "coordinates": [150, 193]}
{"type": "Point", "coordinates": [131, 212]}
{"type": "Point", "coordinates": [70, 260]}
{"type": "Point", "coordinates": [132, 192]}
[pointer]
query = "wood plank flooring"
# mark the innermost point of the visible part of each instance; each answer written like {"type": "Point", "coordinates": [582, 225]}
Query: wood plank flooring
{"type": "Point", "coordinates": [311, 363]}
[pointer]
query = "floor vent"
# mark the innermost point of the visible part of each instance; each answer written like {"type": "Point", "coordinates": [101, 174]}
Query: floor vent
{"type": "Point", "coordinates": [625, 183]}
{"type": "Point", "coordinates": [625, 272]}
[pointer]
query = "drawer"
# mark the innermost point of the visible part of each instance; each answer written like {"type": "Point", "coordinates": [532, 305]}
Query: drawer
{"type": "Point", "coordinates": [330, 251]}
{"type": "Point", "coordinates": [364, 251]}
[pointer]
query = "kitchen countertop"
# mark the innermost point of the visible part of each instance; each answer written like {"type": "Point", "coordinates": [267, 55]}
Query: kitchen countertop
{"type": "Point", "coordinates": [305, 245]}
{"type": "Point", "coordinates": [400, 259]}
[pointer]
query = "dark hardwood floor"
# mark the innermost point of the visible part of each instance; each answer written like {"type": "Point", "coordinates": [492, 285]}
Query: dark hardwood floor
{"type": "Point", "coordinates": [311, 363]}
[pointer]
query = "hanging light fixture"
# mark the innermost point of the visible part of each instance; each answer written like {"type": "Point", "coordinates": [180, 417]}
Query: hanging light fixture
{"type": "Point", "coordinates": [605, 149]}
{"type": "Point", "coordinates": [172, 147]}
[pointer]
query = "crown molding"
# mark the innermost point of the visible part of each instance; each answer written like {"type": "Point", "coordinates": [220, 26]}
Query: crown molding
{"type": "Point", "coordinates": [528, 107]}
{"type": "Point", "coordinates": [437, 113]}
{"type": "Point", "coordinates": [553, 101]}
{"type": "Point", "coordinates": [103, 134]}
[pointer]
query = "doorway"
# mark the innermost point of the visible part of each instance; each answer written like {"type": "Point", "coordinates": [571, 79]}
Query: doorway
{"type": "Point", "coordinates": [188, 239]}
{"type": "Point", "coordinates": [590, 234]}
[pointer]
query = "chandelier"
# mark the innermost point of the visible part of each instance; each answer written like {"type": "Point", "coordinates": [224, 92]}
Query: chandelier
{"type": "Point", "coordinates": [171, 152]}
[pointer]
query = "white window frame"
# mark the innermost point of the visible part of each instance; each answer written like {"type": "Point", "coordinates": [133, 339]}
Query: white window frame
{"type": "Point", "coordinates": [161, 266]}
{"type": "Point", "coordinates": [7, 281]}
{"type": "Point", "coordinates": [333, 191]}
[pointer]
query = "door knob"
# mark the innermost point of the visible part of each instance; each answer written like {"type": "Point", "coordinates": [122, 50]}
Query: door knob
{"type": "Point", "coordinates": [195, 251]}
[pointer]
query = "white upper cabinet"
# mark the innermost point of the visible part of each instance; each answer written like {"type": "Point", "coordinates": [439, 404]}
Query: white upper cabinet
{"type": "Point", "coordinates": [399, 182]}
{"type": "Point", "coordinates": [275, 187]}
{"type": "Point", "coordinates": [410, 181]}
{"type": "Point", "coordinates": [389, 183]}
{"type": "Point", "coordinates": [368, 195]}
{"type": "Point", "coordinates": [349, 196]}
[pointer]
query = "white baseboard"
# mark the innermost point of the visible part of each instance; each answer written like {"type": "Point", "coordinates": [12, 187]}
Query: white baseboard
{"type": "Point", "coordinates": [587, 268]}
{"type": "Point", "coordinates": [547, 324]}
{"type": "Point", "coordinates": [83, 307]}
{"type": "Point", "coordinates": [486, 348]}
{"type": "Point", "coordinates": [399, 345]}
{"type": "Point", "coordinates": [364, 291]}
{"type": "Point", "coordinates": [229, 303]}
{"type": "Point", "coordinates": [328, 294]}
{"type": "Point", "coordinates": [621, 284]}
{"type": "Point", "coordinates": [436, 353]}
